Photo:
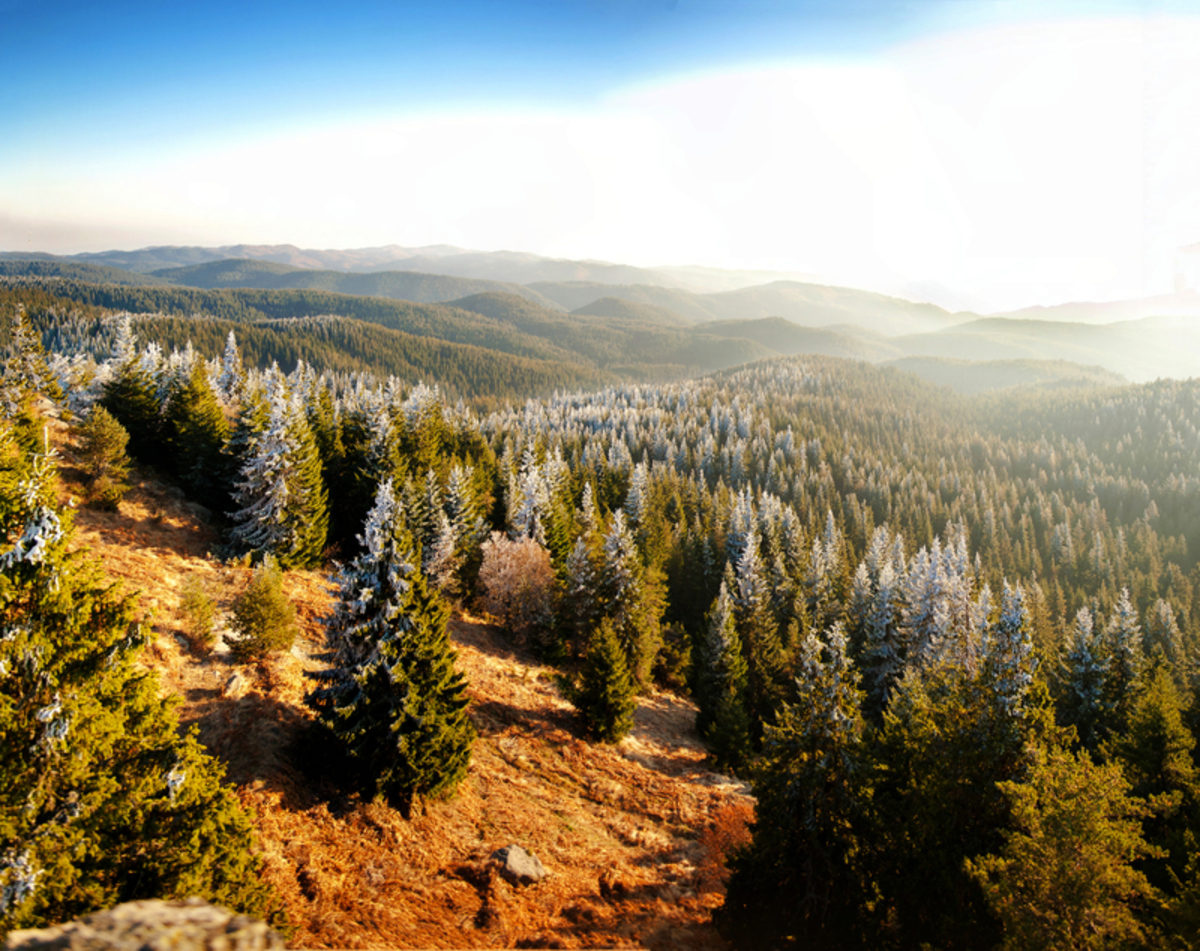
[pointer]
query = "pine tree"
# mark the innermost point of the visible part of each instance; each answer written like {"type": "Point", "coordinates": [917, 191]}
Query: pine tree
{"type": "Point", "coordinates": [759, 633]}
{"type": "Point", "coordinates": [195, 436]}
{"type": "Point", "coordinates": [101, 799]}
{"type": "Point", "coordinates": [1065, 876]}
{"type": "Point", "coordinates": [1123, 643]}
{"type": "Point", "coordinates": [102, 442]}
{"type": "Point", "coordinates": [721, 687]}
{"type": "Point", "coordinates": [801, 877]}
{"type": "Point", "coordinates": [632, 600]}
{"type": "Point", "coordinates": [1085, 705]}
{"type": "Point", "coordinates": [281, 493]}
{"type": "Point", "coordinates": [392, 695]}
{"type": "Point", "coordinates": [131, 395]}
{"type": "Point", "coordinates": [605, 695]}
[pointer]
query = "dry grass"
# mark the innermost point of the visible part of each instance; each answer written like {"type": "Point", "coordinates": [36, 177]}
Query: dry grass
{"type": "Point", "coordinates": [634, 836]}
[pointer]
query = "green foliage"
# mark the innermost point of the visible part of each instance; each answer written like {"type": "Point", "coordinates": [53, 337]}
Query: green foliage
{"type": "Point", "coordinates": [605, 695]}
{"type": "Point", "coordinates": [195, 434]}
{"type": "Point", "coordinates": [264, 619]}
{"type": "Point", "coordinates": [199, 615]}
{"type": "Point", "coordinates": [131, 399]}
{"type": "Point", "coordinates": [804, 876]}
{"type": "Point", "coordinates": [102, 442]}
{"type": "Point", "coordinates": [101, 799]}
{"type": "Point", "coordinates": [392, 696]}
{"type": "Point", "coordinates": [1065, 877]}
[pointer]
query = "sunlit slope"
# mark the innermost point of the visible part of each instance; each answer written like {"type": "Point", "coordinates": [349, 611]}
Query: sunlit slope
{"type": "Point", "coordinates": [634, 311]}
{"type": "Point", "coordinates": [810, 305]}
{"type": "Point", "coordinates": [400, 285]}
{"type": "Point", "coordinates": [970, 376]}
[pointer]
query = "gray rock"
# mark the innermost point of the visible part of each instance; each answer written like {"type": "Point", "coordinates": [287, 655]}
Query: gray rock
{"type": "Point", "coordinates": [192, 925]}
{"type": "Point", "coordinates": [518, 866]}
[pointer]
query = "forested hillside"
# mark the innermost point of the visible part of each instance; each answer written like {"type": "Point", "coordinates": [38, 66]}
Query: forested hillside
{"type": "Point", "coordinates": [952, 641]}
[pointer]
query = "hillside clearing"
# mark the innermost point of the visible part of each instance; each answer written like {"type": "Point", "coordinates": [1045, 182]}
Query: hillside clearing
{"type": "Point", "coordinates": [622, 830]}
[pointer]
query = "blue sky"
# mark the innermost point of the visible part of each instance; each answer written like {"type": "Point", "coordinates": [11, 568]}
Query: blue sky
{"type": "Point", "coordinates": [1014, 151]}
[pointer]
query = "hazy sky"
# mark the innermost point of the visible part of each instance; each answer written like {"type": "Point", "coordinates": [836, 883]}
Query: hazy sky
{"type": "Point", "coordinates": [1019, 152]}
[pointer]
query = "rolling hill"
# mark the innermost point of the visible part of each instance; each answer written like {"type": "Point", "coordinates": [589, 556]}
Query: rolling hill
{"type": "Point", "coordinates": [398, 285]}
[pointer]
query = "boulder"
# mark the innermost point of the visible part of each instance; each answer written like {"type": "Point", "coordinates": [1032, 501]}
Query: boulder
{"type": "Point", "coordinates": [518, 866]}
{"type": "Point", "coordinates": [192, 925]}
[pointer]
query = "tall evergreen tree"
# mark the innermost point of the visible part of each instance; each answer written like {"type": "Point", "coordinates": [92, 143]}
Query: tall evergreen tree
{"type": "Point", "coordinates": [606, 695]}
{"type": "Point", "coordinates": [1085, 704]}
{"type": "Point", "coordinates": [195, 436]}
{"type": "Point", "coordinates": [283, 502]}
{"type": "Point", "coordinates": [392, 695]}
{"type": "Point", "coordinates": [804, 877]}
{"type": "Point", "coordinates": [101, 799]}
{"type": "Point", "coordinates": [721, 687]}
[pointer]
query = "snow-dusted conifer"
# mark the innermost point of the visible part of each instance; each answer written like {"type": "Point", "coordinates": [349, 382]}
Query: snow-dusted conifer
{"type": "Point", "coordinates": [1123, 644]}
{"type": "Point", "coordinates": [1085, 704]}
{"type": "Point", "coordinates": [1009, 661]}
{"type": "Point", "coordinates": [721, 686]}
{"type": "Point", "coordinates": [392, 695]}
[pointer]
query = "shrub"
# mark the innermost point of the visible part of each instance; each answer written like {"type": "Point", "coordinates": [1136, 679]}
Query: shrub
{"type": "Point", "coordinates": [264, 620]}
{"type": "Point", "coordinates": [518, 586]}
{"type": "Point", "coordinates": [199, 615]}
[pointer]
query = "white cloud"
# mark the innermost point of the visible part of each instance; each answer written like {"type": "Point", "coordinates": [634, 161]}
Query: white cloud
{"type": "Point", "coordinates": [1017, 164]}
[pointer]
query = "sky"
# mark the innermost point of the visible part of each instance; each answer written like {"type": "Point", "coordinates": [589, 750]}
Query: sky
{"type": "Point", "coordinates": [1016, 153]}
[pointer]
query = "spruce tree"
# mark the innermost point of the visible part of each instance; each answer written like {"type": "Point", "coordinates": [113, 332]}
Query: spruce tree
{"type": "Point", "coordinates": [282, 496]}
{"type": "Point", "coordinates": [131, 396]}
{"type": "Point", "coordinates": [102, 442]}
{"type": "Point", "coordinates": [1085, 704]}
{"type": "Point", "coordinates": [721, 687]}
{"type": "Point", "coordinates": [804, 875]}
{"type": "Point", "coordinates": [196, 433]}
{"type": "Point", "coordinates": [101, 799]}
{"type": "Point", "coordinates": [605, 695]}
{"type": "Point", "coordinates": [632, 600]}
{"type": "Point", "coordinates": [392, 695]}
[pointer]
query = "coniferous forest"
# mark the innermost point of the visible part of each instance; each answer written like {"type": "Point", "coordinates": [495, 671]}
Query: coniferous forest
{"type": "Point", "coordinates": [952, 642]}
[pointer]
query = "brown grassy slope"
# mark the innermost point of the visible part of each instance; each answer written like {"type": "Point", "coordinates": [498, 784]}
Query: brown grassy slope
{"type": "Point", "coordinates": [626, 832]}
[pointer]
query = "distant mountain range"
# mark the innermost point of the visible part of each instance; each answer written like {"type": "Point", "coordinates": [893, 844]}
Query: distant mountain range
{"type": "Point", "coordinates": [513, 267]}
{"type": "Point", "coordinates": [647, 327]}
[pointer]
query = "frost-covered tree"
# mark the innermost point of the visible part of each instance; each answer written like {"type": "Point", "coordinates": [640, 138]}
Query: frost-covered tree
{"type": "Point", "coordinates": [391, 694]}
{"type": "Point", "coordinates": [1084, 704]}
{"type": "Point", "coordinates": [802, 877]}
{"type": "Point", "coordinates": [1008, 664]}
{"type": "Point", "coordinates": [721, 686]}
{"type": "Point", "coordinates": [232, 376]}
{"type": "Point", "coordinates": [1123, 643]}
{"type": "Point", "coordinates": [101, 799]}
{"type": "Point", "coordinates": [517, 585]}
{"type": "Point", "coordinates": [631, 600]}
{"type": "Point", "coordinates": [281, 495]}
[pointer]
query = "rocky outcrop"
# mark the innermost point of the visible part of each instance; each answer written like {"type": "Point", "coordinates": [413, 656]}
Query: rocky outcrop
{"type": "Point", "coordinates": [192, 925]}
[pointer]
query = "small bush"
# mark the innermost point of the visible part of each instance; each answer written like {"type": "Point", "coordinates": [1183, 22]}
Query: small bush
{"type": "Point", "coordinates": [199, 615]}
{"type": "Point", "coordinates": [264, 620]}
{"type": "Point", "coordinates": [102, 443]}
